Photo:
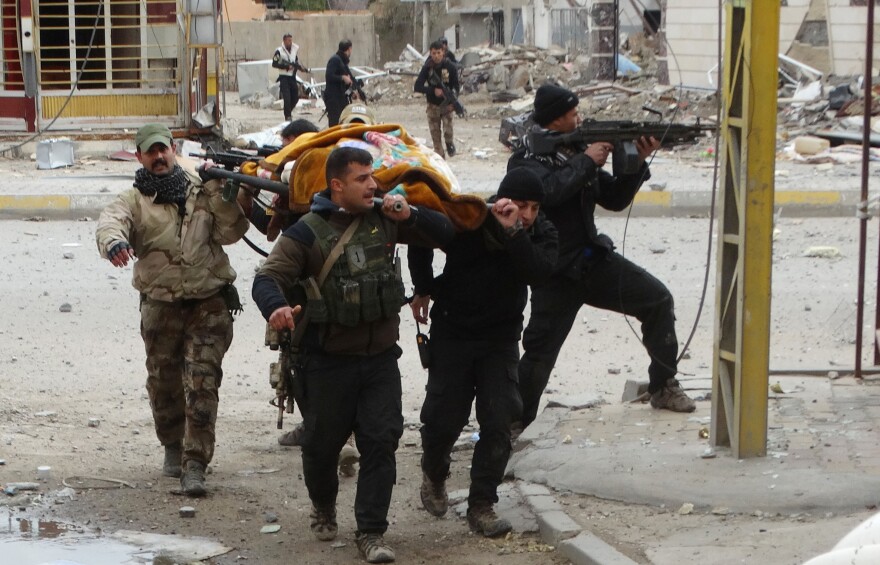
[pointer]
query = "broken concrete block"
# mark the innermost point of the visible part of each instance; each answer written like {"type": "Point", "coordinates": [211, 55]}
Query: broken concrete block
{"type": "Point", "coordinates": [633, 389]}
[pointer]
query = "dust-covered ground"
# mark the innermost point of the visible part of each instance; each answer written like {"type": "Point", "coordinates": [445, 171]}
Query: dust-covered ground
{"type": "Point", "coordinates": [58, 370]}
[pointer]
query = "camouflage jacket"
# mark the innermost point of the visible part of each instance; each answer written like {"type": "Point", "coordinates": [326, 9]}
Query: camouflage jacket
{"type": "Point", "coordinates": [176, 258]}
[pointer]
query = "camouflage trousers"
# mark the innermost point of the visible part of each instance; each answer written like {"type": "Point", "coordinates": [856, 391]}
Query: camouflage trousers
{"type": "Point", "coordinates": [185, 343]}
{"type": "Point", "coordinates": [436, 117]}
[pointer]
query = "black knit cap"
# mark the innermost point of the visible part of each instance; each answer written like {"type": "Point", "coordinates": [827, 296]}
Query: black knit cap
{"type": "Point", "coordinates": [521, 183]}
{"type": "Point", "coordinates": [552, 101]}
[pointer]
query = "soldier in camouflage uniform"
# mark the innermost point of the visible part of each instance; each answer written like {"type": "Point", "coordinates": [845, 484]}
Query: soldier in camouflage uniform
{"type": "Point", "coordinates": [439, 110]}
{"type": "Point", "coordinates": [175, 225]}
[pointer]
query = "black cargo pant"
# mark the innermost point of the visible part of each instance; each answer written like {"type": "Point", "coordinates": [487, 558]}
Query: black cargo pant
{"type": "Point", "coordinates": [609, 282]}
{"type": "Point", "coordinates": [345, 393]}
{"type": "Point", "coordinates": [289, 93]}
{"type": "Point", "coordinates": [462, 370]}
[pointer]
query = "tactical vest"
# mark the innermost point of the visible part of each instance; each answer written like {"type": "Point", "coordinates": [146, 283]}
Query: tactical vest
{"type": "Point", "coordinates": [365, 283]}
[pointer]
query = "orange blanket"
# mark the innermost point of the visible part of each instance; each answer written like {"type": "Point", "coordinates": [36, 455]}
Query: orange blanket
{"type": "Point", "coordinates": [398, 161]}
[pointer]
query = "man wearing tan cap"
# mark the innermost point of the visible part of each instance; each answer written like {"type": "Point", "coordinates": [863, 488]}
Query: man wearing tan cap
{"type": "Point", "coordinates": [173, 225]}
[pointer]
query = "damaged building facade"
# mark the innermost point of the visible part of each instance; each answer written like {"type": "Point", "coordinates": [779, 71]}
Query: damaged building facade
{"type": "Point", "coordinates": [92, 64]}
{"type": "Point", "coordinates": [828, 35]}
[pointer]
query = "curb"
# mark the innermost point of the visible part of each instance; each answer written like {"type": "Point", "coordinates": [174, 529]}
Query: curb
{"type": "Point", "coordinates": [828, 203]}
{"type": "Point", "coordinates": [558, 529]}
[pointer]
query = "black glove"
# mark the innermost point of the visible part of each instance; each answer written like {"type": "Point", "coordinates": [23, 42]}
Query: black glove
{"type": "Point", "coordinates": [118, 248]}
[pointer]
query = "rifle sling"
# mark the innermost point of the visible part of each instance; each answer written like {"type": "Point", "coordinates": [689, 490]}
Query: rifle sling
{"type": "Point", "coordinates": [300, 330]}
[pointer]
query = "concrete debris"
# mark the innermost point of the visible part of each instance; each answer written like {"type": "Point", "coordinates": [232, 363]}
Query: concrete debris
{"type": "Point", "coordinates": [822, 252]}
{"type": "Point", "coordinates": [686, 508]}
{"type": "Point", "coordinates": [187, 512]}
{"type": "Point", "coordinates": [270, 529]}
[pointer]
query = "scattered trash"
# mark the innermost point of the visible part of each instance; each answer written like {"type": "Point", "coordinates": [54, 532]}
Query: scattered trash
{"type": "Point", "coordinates": [14, 488]}
{"type": "Point", "coordinates": [686, 509]}
{"type": "Point", "coordinates": [55, 153]}
{"type": "Point", "coordinates": [810, 145]}
{"type": "Point", "coordinates": [703, 433]}
{"type": "Point", "coordinates": [822, 252]}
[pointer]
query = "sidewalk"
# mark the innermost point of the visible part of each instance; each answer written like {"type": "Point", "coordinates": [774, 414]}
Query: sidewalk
{"type": "Point", "coordinates": [71, 197]}
{"type": "Point", "coordinates": [823, 455]}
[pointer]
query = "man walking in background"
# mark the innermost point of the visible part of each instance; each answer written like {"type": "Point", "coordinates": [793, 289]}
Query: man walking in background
{"type": "Point", "coordinates": [437, 72]}
{"type": "Point", "coordinates": [287, 63]}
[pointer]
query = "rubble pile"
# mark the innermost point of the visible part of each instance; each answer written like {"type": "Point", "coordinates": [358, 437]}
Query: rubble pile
{"type": "Point", "coordinates": [501, 83]}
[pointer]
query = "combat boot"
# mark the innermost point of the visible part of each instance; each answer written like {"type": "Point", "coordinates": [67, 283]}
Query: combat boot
{"type": "Point", "coordinates": [373, 548]}
{"type": "Point", "coordinates": [450, 149]}
{"type": "Point", "coordinates": [482, 519]}
{"type": "Point", "coordinates": [294, 437]}
{"type": "Point", "coordinates": [171, 466]}
{"type": "Point", "coordinates": [323, 523]}
{"type": "Point", "coordinates": [434, 497]}
{"type": "Point", "coordinates": [672, 397]}
{"type": "Point", "coordinates": [192, 481]}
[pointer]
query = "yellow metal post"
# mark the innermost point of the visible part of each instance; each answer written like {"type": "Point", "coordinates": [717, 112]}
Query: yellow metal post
{"type": "Point", "coordinates": [742, 302]}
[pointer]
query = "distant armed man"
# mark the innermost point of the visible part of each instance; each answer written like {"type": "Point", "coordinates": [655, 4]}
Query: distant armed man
{"type": "Point", "coordinates": [437, 72]}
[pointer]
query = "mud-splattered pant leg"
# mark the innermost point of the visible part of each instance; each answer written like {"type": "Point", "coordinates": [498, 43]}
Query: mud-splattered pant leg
{"type": "Point", "coordinates": [435, 117]}
{"type": "Point", "coordinates": [185, 343]}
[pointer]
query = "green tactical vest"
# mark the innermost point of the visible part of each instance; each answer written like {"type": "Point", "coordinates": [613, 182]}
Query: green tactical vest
{"type": "Point", "coordinates": [365, 283]}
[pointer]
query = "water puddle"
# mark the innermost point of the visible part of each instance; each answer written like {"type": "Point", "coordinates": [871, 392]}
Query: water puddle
{"type": "Point", "coordinates": [29, 540]}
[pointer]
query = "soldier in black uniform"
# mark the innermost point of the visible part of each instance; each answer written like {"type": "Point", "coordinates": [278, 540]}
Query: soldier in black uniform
{"type": "Point", "coordinates": [476, 323]}
{"type": "Point", "coordinates": [338, 262]}
{"type": "Point", "coordinates": [589, 271]}
{"type": "Point", "coordinates": [339, 82]}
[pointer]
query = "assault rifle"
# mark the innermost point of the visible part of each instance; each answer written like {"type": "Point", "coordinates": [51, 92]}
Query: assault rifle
{"type": "Point", "coordinates": [233, 160]}
{"type": "Point", "coordinates": [234, 180]}
{"type": "Point", "coordinates": [449, 97]}
{"type": "Point", "coordinates": [356, 86]}
{"type": "Point", "coordinates": [622, 134]}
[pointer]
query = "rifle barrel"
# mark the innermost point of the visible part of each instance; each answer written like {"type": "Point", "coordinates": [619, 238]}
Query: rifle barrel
{"type": "Point", "coordinates": [273, 186]}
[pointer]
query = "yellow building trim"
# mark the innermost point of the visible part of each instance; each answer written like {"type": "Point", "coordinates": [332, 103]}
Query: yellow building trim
{"type": "Point", "coordinates": [34, 202]}
{"type": "Point", "coordinates": [110, 105]}
{"type": "Point", "coordinates": [654, 198]}
{"type": "Point", "coordinates": [825, 197]}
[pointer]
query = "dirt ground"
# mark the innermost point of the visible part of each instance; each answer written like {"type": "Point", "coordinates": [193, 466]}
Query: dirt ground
{"type": "Point", "coordinates": [58, 370]}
